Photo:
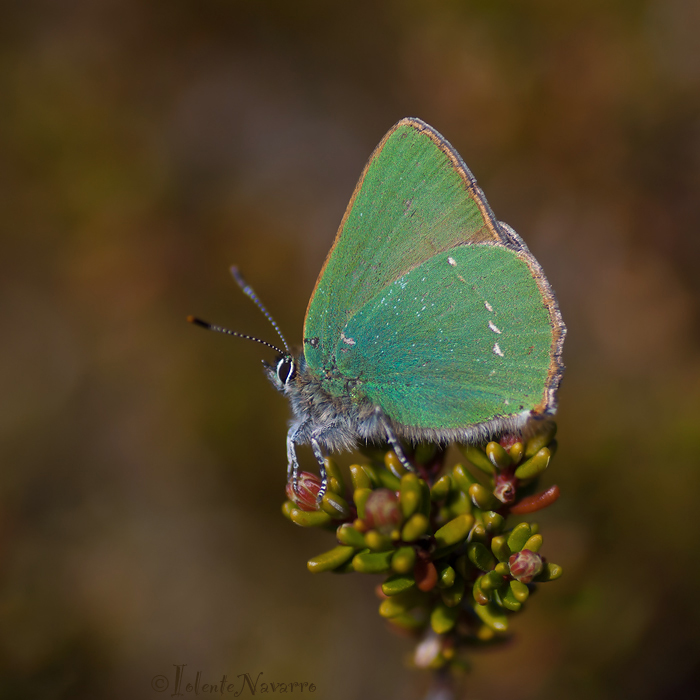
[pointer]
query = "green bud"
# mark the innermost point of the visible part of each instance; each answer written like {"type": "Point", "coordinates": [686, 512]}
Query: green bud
{"type": "Point", "coordinates": [416, 526]}
{"type": "Point", "coordinates": [496, 597]}
{"type": "Point", "coordinates": [378, 542]}
{"type": "Point", "coordinates": [478, 458]}
{"type": "Point", "coordinates": [388, 608]}
{"type": "Point", "coordinates": [443, 515]}
{"type": "Point", "coordinates": [455, 531]}
{"type": "Point", "coordinates": [493, 521]}
{"type": "Point", "coordinates": [500, 548]}
{"type": "Point", "coordinates": [335, 476]}
{"type": "Point", "coordinates": [518, 537]}
{"type": "Point", "coordinates": [520, 591]}
{"type": "Point", "coordinates": [491, 581]}
{"type": "Point", "coordinates": [516, 452]}
{"type": "Point", "coordinates": [336, 506]}
{"type": "Point", "coordinates": [393, 464]}
{"type": "Point", "coordinates": [478, 533]}
{"type": "Point", "coordinates": [441, 488]}
{"type": "Point", "coordinates": [372, 472]}
{"type": "Point", "coordinates": [388, 480]}
{"type": "Point", "coordinates": [482, 497]}
{"type": "Point", "coordinates": [534, 543]}
{"type": "Point", "coordinates": [490, 615]}
{"type": "Point", "coordinates": [498, 457]}
{"type": "Point", "coordinates": [542, 439]}
{"type": "Point", "coordinates": [480, 556]}
{"type": "Point", "coordinates": [459, 503]}
{"type": "Point", "coordinates": [425, 504]}
{"type": "Point", "coordinates": [330, 560]}
{"type": "Point", "coordinates": [360, 478]}
{"type": "Point", "coordinates": [443, 618]}
{"type": "Point", "coordinates": [453, 596]}
{"type": "Point", "coordinates": [502, 568]}
{"type": "Point", "coordinates": [360, 497]}
{"type": "Point", "coordinates": [403, 560]}
{"type": "Point", "coordinates": [510, 602]}
{"type": "Point", "coordinates": [372, 562]}
{"type": "Point", "coordinates": [481, 596]}
{"type": "Point", "coordinates": [551, 572]}
{"type": "Point", "coordinates": [462, 478]}
{"type": "Point", "coordinates": [410, 494]}
{"type": "Point", "coordinates": [446, 575]}
{"type": "Point", "coordinates": [398, 583]}
{"type": "Point", "coordinates": [287, 508]}
{"type": "Point", "coordinates": [401, 603]}
{"type": "Point", "coordinates": [309, 518]}
{"type": "Point", "coordinates": [349, 535]}
{"type": "Point", "coordinates": [535, 465]}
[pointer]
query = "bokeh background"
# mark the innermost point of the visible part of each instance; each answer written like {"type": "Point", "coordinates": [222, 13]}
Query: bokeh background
{"type": "Point", "coordinates": [146, 146]}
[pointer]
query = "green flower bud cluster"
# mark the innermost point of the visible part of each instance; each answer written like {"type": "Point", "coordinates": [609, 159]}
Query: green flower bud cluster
{"type": "Point", "coordinates": [455, 568]}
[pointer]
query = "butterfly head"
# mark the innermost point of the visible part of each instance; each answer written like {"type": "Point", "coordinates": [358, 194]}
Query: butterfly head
{"type": "Point", "coordinates": [283, 372]}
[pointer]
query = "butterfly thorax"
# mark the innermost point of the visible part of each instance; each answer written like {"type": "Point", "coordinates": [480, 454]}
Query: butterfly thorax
{"type": "Point", "coordinates": [337, 422]}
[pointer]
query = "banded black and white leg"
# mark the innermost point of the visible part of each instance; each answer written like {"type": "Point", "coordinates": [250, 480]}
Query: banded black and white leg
{"type": "Point", "coordinates": [393, 440]}
{"type": "Point", "coordinates": [320, 458]}
{"type": "Point", "coordinates": [295, 431]}
{"type": "Point", "coordinates": [292, 462]}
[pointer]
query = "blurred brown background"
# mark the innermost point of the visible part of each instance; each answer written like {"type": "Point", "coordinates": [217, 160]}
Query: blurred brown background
{"type": "Point", "coordinates": [146, 146]}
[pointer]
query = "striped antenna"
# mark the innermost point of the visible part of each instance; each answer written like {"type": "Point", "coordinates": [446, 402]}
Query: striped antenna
{"type": "Point", "coordinates": [219, 329]}
{"type": "Point", "coordinates": [248, 291]}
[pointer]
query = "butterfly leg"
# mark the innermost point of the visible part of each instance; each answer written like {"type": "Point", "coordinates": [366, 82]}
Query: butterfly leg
{"type": "Point", "coordinates": [292, 461]}
{"type": "Point", "coordinates": [322, 467]}
{"type": "Point", "coordinates": [393, 440]}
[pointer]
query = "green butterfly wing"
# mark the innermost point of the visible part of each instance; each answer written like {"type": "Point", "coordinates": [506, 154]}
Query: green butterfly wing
{"type": "Point", "coordinates": [426, 305]}
{"type": "Point", "coordinates": [459, 340]}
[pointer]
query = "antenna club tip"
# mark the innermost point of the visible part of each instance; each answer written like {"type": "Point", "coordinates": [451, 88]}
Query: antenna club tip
{"type": "Point", "coordinates": [198, 322]}
{"type": "Point", "coordinates": [240, 281]}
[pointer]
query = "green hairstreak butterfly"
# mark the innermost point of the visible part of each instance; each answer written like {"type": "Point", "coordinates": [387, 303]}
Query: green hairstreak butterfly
{"type": "Point", "coordinates": [430, 321]}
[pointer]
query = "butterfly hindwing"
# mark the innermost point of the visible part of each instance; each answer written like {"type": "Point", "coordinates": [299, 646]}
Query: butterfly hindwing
{"type": "Point", "coordinates": [459, 340]}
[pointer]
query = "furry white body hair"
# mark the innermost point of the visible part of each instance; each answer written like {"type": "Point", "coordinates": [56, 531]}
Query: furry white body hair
{"type": "Point", "coordinates": [339, 423]}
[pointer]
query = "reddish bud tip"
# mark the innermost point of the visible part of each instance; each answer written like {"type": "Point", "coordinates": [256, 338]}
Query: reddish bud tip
{"type": "Point", "coordinates": [525, 565]}
{"type": "Point", "coordinates": [507, 441]}
{"type": "Point", "coordinates": [382, 512]}
{"type": "Point", "coordinates": [306, 495]}
{"type": "Point", "coordinates": [425, 574]}
{"type": "Point", "coordinates": [505, 486]}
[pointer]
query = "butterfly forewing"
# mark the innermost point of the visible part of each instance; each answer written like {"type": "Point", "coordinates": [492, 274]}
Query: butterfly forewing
{"type": "Point", "coordinates": [414, 199]}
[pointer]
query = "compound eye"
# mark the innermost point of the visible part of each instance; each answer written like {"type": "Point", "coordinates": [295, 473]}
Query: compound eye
{"type": "Point", "coordinates": [285, 369]}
